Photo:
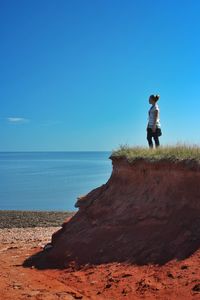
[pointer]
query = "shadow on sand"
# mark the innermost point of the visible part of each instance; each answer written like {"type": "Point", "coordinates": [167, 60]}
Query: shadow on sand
{"type": "Point", "coordinates": [42, 260]}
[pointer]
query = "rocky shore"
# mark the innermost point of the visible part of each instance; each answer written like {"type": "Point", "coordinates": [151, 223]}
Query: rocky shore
{"type": "Point", "coordinates": [29, 228]}
{"type": "Point", "coordinates": [23, 233]}
{"type": "Point", "coordinates": [25, 219]}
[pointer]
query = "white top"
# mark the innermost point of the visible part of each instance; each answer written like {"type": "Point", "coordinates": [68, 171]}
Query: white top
{"type": "Point", "coordinates": [152, 116]}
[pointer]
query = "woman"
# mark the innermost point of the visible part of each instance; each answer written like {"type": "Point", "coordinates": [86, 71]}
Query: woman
{"type": "Point", "coordinates": [153, 127]}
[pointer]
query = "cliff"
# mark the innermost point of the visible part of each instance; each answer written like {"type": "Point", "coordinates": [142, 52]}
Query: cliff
{"type": "Point", "coordinates": [147, 212]}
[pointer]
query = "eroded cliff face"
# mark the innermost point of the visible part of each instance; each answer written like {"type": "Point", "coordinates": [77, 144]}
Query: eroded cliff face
{"type": "Point", "coordinates": [147, 212]}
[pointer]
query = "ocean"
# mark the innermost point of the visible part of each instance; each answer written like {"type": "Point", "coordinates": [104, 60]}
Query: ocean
{"type": "Point", "coordinates": [50, 180]}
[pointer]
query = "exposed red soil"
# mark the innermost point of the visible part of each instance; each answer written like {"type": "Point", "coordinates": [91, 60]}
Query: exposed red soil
{"type": "Point", "coordinates": [145, 213]}
{"type": "Point", "coordinates": [113, 281]}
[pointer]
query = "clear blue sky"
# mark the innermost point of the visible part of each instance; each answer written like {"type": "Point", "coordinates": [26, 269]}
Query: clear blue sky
{"type": "Point", "coordinates": [76, 75]}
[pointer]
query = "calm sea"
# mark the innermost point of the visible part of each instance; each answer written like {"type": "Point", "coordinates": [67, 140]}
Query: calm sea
{"type": "Point", "coordinates": [50, 180]}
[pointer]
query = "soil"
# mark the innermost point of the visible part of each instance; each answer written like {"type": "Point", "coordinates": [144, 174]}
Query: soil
{"type": "Point", "coordinates": [146, 213]}
{"type": "Point", "coordinates": [112, 281]}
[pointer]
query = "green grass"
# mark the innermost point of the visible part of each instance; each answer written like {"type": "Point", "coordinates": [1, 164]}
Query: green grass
{"type": "Point", "coordinates": [172, 153]}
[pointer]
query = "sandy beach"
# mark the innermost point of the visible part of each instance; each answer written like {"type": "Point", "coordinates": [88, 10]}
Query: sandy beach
{"type": "Point", "coordinates": [113, 281]}
{"type": "Point", "coordinates": [22, 234]}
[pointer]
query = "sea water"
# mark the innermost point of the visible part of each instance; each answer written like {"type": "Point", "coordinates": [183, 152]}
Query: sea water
{"type": "Point", "coordinates": [50, 180]}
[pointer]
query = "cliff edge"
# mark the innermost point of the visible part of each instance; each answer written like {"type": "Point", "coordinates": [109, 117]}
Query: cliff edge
{"type": "Point", "coordinates": [147, 212]}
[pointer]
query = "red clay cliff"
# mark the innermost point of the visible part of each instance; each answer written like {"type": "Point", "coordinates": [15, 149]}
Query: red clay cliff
{"type": "Point", "coordinates": [147, 212]}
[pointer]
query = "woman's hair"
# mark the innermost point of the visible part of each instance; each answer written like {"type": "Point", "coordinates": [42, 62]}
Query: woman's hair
{"type": "Point", "coordinates": [155, 97]}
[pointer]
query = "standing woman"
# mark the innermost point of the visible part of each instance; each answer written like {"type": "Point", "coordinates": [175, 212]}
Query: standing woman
{"type": "Point", "coordinates": [153, 127]}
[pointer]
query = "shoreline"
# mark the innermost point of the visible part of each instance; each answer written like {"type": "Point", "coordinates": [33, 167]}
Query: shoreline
{"type": "Point", "coordinates": [29, 219]}
{"type": "Point", "coordinates": [29, 229]}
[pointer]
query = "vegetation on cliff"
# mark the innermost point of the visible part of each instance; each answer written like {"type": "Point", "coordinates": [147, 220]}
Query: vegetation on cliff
{"type": "Point", "coordinates": [171, 153]}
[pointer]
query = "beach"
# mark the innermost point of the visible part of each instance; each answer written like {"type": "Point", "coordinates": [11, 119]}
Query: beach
{"type": "Point", "coordinates": [111, 281]}
{"type": "Point", "coordinates": [26, 219]}
{"type": "Point", "coordinates": [35, 227]}
{"type": "Point", "coordinates": [22, 234]}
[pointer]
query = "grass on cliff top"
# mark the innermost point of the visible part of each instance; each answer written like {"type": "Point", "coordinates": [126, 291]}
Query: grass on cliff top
{"type": "Point", "coordinates": [172, 153]}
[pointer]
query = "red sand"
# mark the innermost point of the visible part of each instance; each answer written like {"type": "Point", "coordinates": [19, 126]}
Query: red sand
{"type": "Point", "coordinates": [175, 280]}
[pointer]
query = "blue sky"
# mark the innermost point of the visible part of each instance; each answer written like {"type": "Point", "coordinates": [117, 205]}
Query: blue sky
{"type": "Point", "coordinates": [76, 75]}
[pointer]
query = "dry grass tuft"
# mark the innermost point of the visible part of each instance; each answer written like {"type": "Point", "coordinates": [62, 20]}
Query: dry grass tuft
{"type": "Point", "coordinates": [172, 153]}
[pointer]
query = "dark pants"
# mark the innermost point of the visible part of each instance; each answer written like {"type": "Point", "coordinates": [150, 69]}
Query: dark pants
{"type": "Point", "coordinates": [153, 135]}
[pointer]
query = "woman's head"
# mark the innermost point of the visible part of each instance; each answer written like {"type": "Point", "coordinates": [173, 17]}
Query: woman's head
{"type": "Point", "coordinates": [153, 99]}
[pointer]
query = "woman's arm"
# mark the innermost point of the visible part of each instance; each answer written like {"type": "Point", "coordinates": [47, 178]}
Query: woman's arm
{"type": "Point", "coordinates": [155, 120]}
